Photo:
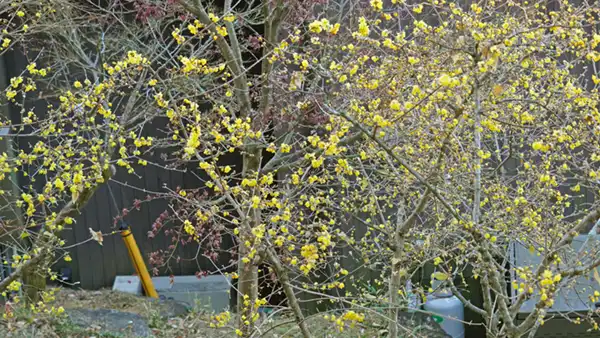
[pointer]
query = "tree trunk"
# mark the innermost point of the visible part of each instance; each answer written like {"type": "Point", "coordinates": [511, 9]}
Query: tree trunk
{"type": "Point", "coordinates": [248, 272]}
{"type": "Point", "coordinates": [34, 282]}
{"type": "Point", "coordinates": [394, 288]}
{"type": "Point", "coordinates": [247, 294]}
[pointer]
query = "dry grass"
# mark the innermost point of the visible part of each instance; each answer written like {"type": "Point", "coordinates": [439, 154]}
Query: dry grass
{"type": "Point", "coordinates": [104, 299]}
{"type": "Point", "coordinates": [195, 324]}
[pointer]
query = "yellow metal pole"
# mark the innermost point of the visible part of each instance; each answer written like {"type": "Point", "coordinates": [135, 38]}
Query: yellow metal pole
{"type": "Point", "coordinates": [138, 262]}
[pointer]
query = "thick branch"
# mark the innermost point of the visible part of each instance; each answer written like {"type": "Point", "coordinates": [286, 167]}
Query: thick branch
{"type": "Point", "coordinates": [239, 73]}
{"type": "Point", "coordinates": [468, 304]}
{"type": "Point", "coordinates": [289, 292]}
{"type": "Point", "coordinates": [272, 25]}
{"type": "Point", "coordinates": [17, 273]}
{"type": "Point", "coordinates": [478, 162]}
{"type": "Point", "coordinates": [235, 45]}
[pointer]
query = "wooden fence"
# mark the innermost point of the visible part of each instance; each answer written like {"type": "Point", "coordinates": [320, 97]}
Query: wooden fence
{"type": "Point", "coordinates": [96, 266]}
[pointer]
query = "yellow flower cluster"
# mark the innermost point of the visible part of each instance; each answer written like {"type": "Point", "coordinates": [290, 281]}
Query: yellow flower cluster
{"type": "Point", "coordinates": [198, 66]}
{"type": "Point", "coordinates": [363, 27]}
{"type": "Point", "coordinates": [220, 319]}
{"type": "Point", "coordinates": [349, 318]}
{"type": "Point", "coordinates": [319, 26]}
{"type": "Point", "coordinates": [311, 255]}
{"type": "Point", "coordinates": [134, 60]}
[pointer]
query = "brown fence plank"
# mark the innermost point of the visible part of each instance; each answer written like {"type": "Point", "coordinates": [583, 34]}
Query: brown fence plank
{"type": "Point", "coordinates": [110, 243]}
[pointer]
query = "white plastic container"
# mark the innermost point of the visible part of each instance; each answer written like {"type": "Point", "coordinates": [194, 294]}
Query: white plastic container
{"type": "Point", "coordinates": [448, 311]}
{"type": "Point", "coordinates": [413, 299]}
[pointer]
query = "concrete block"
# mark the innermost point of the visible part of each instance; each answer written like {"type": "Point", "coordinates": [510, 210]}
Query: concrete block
{"type": "Point", "coordinates": [128, 284]}
{"type": "Point", "coordinates": [211, 292]}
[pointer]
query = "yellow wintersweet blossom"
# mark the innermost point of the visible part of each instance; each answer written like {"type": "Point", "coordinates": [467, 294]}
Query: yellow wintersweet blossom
{"type": "Point", "coordinates": [448, 81]}
{"type": "Point", "coordinates": [395, 105]}
{"type": "Point", "coordinates": [229, 17]}
{"type": "Point", "coordinates": [377, 5]}
{"type": "Point", "coordinates": [363, 27]}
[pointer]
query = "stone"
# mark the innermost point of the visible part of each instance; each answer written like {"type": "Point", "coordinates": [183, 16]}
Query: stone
{"type": "Point", "coordinates": [110, 321]}
{"type": "Point", "coordinates": [169, 308]}
{"type": "Point", "coordinates": [421, 325]}
{"type": "Point", "coordinates": [128, 284]}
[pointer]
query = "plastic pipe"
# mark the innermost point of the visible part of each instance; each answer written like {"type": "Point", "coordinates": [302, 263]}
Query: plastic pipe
{"type": "Point", "coordinates": [138, 262]}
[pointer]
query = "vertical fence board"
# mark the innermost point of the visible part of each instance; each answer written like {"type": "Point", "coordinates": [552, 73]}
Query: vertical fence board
{"type": "Point", "coordinates": [111, 243]}
{"type": "Point", "coordinates": [142, 219]}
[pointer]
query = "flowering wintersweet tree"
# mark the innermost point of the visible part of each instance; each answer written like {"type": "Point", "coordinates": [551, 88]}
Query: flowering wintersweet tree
{"type": "Point", "coordinates": [73, 124]}
{"type": "Point", "coordinates": [429, 124]}
{"type": "Point", "coordinates": [487, 115]}
{"type": "Point", "coordinates": [370, 135]}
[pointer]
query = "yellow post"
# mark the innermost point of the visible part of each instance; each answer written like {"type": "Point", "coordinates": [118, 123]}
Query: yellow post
{"type": "Point", "coordinates": [138, 261]}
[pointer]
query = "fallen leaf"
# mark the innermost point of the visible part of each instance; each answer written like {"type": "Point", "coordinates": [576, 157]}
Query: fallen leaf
{"type": "Point", "coordinates": [97, 236]}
